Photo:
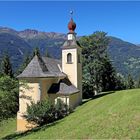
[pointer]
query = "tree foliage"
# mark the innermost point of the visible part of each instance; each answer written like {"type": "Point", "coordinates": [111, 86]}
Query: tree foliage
{"type": "Point", "coordinates": [45, 111]}
{"type": "Point", "coordinates": [8, 97]}
{"type": "Point", "coordinates": [98, 72]}
{"type": "Point", "coordinates": [61, 109]}
{"type": "Point", "coordinates": [36, 51]}
{"type": "Point", "coordinates": [6, 66]}
{"type": "Point", "coordinates": [40, 112]}
{"type": "Point", "coordinates": [130, 82]}
{"type": "Point", "coordinates": [121, 82]}
{"type": "Point", "coordinates": [109, 77]}
{"type": "Point", "coordinates": [94, 53]}
{"type": "Point", "coordinates": [138, 82]}
{"type": "Point", "coordinates": [26, 61]}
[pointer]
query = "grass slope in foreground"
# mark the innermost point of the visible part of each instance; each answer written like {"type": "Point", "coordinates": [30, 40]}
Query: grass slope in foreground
{"type": "Point", "coordinates": [115, 115]}
{"type": "Point", "coordinates": [7, 127]}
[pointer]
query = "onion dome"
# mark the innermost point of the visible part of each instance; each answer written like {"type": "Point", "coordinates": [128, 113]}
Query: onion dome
{"type": "Point", "coordinates": [71, 26]}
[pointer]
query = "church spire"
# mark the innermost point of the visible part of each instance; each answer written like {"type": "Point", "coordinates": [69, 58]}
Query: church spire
{"type": "Point", "coordinates": [71, 24]}
{"type": "Point", "coordinates": [71, 27]}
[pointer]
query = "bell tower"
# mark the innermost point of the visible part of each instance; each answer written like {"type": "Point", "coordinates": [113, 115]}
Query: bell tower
{"type": "Point", "coordinates": [72, 58]}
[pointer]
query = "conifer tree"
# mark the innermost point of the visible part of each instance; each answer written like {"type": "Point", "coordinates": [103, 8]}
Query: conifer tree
{"type": "Point", "coordinates": [98, 71]}
{"type": "Point", "coordinates": [6, 66]}
{"type": "Point", "coordinates": [130, 82]}
{"type": "Point", "coordinates": [121, 82]}
{"type": "Point", "coordinates": [109, 76]}
{"type": "Point", "coordinates": [36, 52]}
{"type": "Point", "coordinates": [94, 53]}
{"type": "Point", "coordinates": [26, 61]}
{"type": "Point", "coordinates": [138, 82]}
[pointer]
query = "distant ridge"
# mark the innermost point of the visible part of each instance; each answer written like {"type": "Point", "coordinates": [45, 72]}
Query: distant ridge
{"type": "Point", "coordinates": [125, 56]}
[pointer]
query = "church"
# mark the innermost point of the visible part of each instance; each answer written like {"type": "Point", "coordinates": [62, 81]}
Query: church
{"type": "Point", "coordinates": [53, 79]}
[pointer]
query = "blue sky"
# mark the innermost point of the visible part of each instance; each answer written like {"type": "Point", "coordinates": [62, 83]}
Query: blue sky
{"type": "Point", "coordinates": [120, 19]}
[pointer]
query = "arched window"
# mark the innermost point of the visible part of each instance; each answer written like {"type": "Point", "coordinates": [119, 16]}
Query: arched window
{"type": "Point", "coordinates": [69, 58]}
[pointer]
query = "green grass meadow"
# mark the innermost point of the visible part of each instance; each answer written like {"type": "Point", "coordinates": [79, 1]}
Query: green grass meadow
{"type": "Point", "coordinates": [7, 127]}
{"type": "Point", "coordinates": [114, 115]}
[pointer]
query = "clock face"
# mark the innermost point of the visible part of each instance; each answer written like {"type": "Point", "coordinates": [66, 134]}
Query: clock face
{"type": "Point", "coordinates": [70, 37]}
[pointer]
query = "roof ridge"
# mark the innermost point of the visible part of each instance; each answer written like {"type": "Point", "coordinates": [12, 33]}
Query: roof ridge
{"type": "Point", "coordinates": [42, 64]}
{"type": "Point", "coordinates": [51, 58]}
{"type": "Point", "coordinates": [42, 67]}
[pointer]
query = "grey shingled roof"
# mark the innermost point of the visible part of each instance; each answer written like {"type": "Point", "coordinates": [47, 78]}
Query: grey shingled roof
{"type": "Point", "coordinates": [42, 67]}
{"type": "Point", "coordinates": [71, 44]}
{"type": "Point", "coordinates": [64, 87]}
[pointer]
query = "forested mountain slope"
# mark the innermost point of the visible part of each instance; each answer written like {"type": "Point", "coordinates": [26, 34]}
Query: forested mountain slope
{"type": "Point", "coordinates": [125, 56]}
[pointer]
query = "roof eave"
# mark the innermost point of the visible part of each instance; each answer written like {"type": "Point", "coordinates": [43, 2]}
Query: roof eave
{"type": "Point", "coordinates": [21, 77]}
{"type": "Point", "coordinates": [65, 94]}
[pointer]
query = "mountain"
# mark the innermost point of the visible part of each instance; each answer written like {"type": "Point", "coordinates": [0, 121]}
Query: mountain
{"type": "Point", "coordinates": [20, 43]}
{"type": "Point", "coordinates": [14, 45]}
{"type": "Point", "coordinates": [44, 40]}
{"type": "Point", "coordinates": [125, 56]}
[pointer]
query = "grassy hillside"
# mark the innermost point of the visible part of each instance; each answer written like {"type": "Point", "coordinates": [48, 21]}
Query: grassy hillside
{"type": "Point", "coordinates": [7, 127]}
{"type": "Point", "coordinates": [115, 115]}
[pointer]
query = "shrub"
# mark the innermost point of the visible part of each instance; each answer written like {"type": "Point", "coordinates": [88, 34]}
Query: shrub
{"type": "Point", "coordinates": [40, 112]}
{"type": "Point", "coordinates": [61, 109]}
{"type": "Point", "coordinates": [44, 112]}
